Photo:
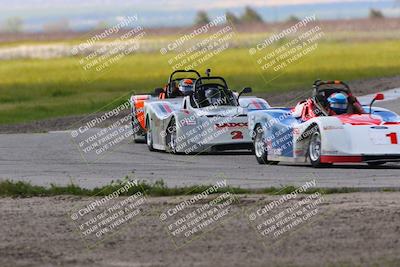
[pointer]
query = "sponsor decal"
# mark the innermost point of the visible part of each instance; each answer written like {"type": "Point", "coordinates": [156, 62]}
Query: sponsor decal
{"type": "Point", "coordinates": [258, 105]}
{"type": "Point", "coordinates": [379, 127]}
{"type": "Point", "coordinates": [327, 128]}
{"type": "Point", "coordinates": [330, 152]}
{"type": "Point", "coordinates": [299, 152]}
{"type": "Point", "coordinates": [231, 125]}
{"type": "Point", "coordinates": [165, 108]}
{"type": "Point", "coordinates": [276, 151]}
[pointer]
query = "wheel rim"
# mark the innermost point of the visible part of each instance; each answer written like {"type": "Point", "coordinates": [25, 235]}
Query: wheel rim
{"type": "Point", "coordinates": [149, 137]}
{"type": "Point", "coordinates": [315, 147]}
{"type": "Point", "coordinates": [259, 144]}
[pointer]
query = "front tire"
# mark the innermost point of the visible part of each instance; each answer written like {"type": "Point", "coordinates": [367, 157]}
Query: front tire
{"type": "Point", "coordinates": [315, 151]}
{"type": "Point", "coordinates": [260, 151]}
{"type": "Point", "coordinates": [171, 137]}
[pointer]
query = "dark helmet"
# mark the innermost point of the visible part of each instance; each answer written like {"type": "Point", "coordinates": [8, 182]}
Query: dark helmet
{"type": "Point", "coordinates": [213, 95]}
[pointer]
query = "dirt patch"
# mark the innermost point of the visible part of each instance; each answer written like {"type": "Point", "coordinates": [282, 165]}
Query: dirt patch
{"type": "Point", "coordinates": [357, 229]}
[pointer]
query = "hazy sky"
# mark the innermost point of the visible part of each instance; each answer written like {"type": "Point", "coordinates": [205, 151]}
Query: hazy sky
{"type": "Point", "coordinates": [157, 4]}
{"type": "Point", "coordinates": [238, 3]}
{"type": "Point", "coordinates": [83, 14]}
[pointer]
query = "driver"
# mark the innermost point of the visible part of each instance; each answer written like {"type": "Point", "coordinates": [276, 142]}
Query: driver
{"type": "Point", "coordinates": [213, 96]}
{"type": "Point", "coordinates": [184, 88]}
{"type": "Point", "coordinates": [340, 103]}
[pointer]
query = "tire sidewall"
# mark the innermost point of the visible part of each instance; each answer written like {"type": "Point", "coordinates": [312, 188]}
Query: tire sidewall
{"type": "Point", "coordinates": [263, 158]}
{"type": "Point", "coordinates": [168, 136]}
{"type": "Point", "coordinates": [317, 162]}
{"type": "Point", "coordinates": [149, 133]}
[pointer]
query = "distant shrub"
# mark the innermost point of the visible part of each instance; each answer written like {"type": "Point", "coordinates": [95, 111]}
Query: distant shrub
{"type": "Point", "coordinates": [251, 16]}
{"type": "Point", "coordinates": [293, 19]}
{"type": "Point", "coordinates": [375, 14]}
{"type": "Point", "coordinates": [201, 18]}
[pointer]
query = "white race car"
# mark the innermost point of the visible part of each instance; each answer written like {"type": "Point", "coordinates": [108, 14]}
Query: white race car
{"type": "Point", "coordinates": [209, 118]}
{"type": "Point", "coordinates": [310, 132]}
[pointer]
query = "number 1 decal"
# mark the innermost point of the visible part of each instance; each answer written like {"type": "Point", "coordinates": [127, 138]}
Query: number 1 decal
{"type": "Point", "coordinates": [393, 138]}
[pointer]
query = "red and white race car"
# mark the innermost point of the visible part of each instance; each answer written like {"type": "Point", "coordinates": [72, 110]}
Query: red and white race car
{"type": "Point", "coordinates": [312, 132]}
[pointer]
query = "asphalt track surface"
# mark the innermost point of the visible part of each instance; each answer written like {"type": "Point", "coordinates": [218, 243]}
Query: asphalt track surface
{"type": "Point", "coordinates": [53, 158]}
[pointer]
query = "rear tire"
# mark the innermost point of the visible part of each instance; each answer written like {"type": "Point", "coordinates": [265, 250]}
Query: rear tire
{"type": "Point", "coordinates": [139, 139]}
{"type": "Point", "coordinates": [138, 136]}
{"type": "Point", "coordinates": [137, 133]}
{"type": "Point", "coordinates": [314, 151]}
{"type": "Point", "coordinates": [260, 151]}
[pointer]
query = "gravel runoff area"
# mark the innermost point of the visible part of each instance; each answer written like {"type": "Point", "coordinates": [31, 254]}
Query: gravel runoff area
{"type": "Point", "coordinates": [290, 98]}
{"type": "Point", "coordinates": [356, 229]}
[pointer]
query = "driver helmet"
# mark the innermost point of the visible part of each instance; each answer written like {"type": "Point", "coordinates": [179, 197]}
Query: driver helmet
{"type": "Point", "coordinates": [186, 86]}
{"type": "Point", "coordinates": [338, 103]}
{"type": "Point", "coordinates": [213, 95]}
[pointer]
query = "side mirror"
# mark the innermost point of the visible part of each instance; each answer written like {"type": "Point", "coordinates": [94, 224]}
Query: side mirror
{"type": "Point", "coordinates": [378, 97]}
{"type": "Point", "coordinates": [158, 91]}
{"type": "Point", "coordinates": [245, 90]}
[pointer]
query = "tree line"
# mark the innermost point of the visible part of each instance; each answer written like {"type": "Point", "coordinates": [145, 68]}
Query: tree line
{"type": "Point", "coordinates": [249, 16]}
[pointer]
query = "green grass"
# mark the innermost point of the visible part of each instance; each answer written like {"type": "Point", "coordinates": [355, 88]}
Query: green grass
{"type": "Point", "coordinates": [39, 89]}
{"type": "Point", "coordinates": [26, 189]}
{"type": "Point", "coordinates": [10, 188]}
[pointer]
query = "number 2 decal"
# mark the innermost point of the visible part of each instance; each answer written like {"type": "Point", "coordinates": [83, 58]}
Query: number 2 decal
{"type": "Point", "coordinates": [393, 138]}
{"type": "Point", "coordinates": [237, 135]}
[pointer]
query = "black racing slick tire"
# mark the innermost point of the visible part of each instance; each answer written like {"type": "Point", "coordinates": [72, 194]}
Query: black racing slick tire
{"type": "Point", "coordinates": [149, 135]}
{"type": "Point", "coordinates": [171, 137]}
{"type": "Point", "coordinates": [315, 151]}
{"type": "Point", "coordinates": [260, 151]}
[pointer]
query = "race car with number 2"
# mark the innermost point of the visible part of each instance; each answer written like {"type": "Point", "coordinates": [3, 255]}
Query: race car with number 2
{"type": "Point", "coordinates": [209, 117]}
